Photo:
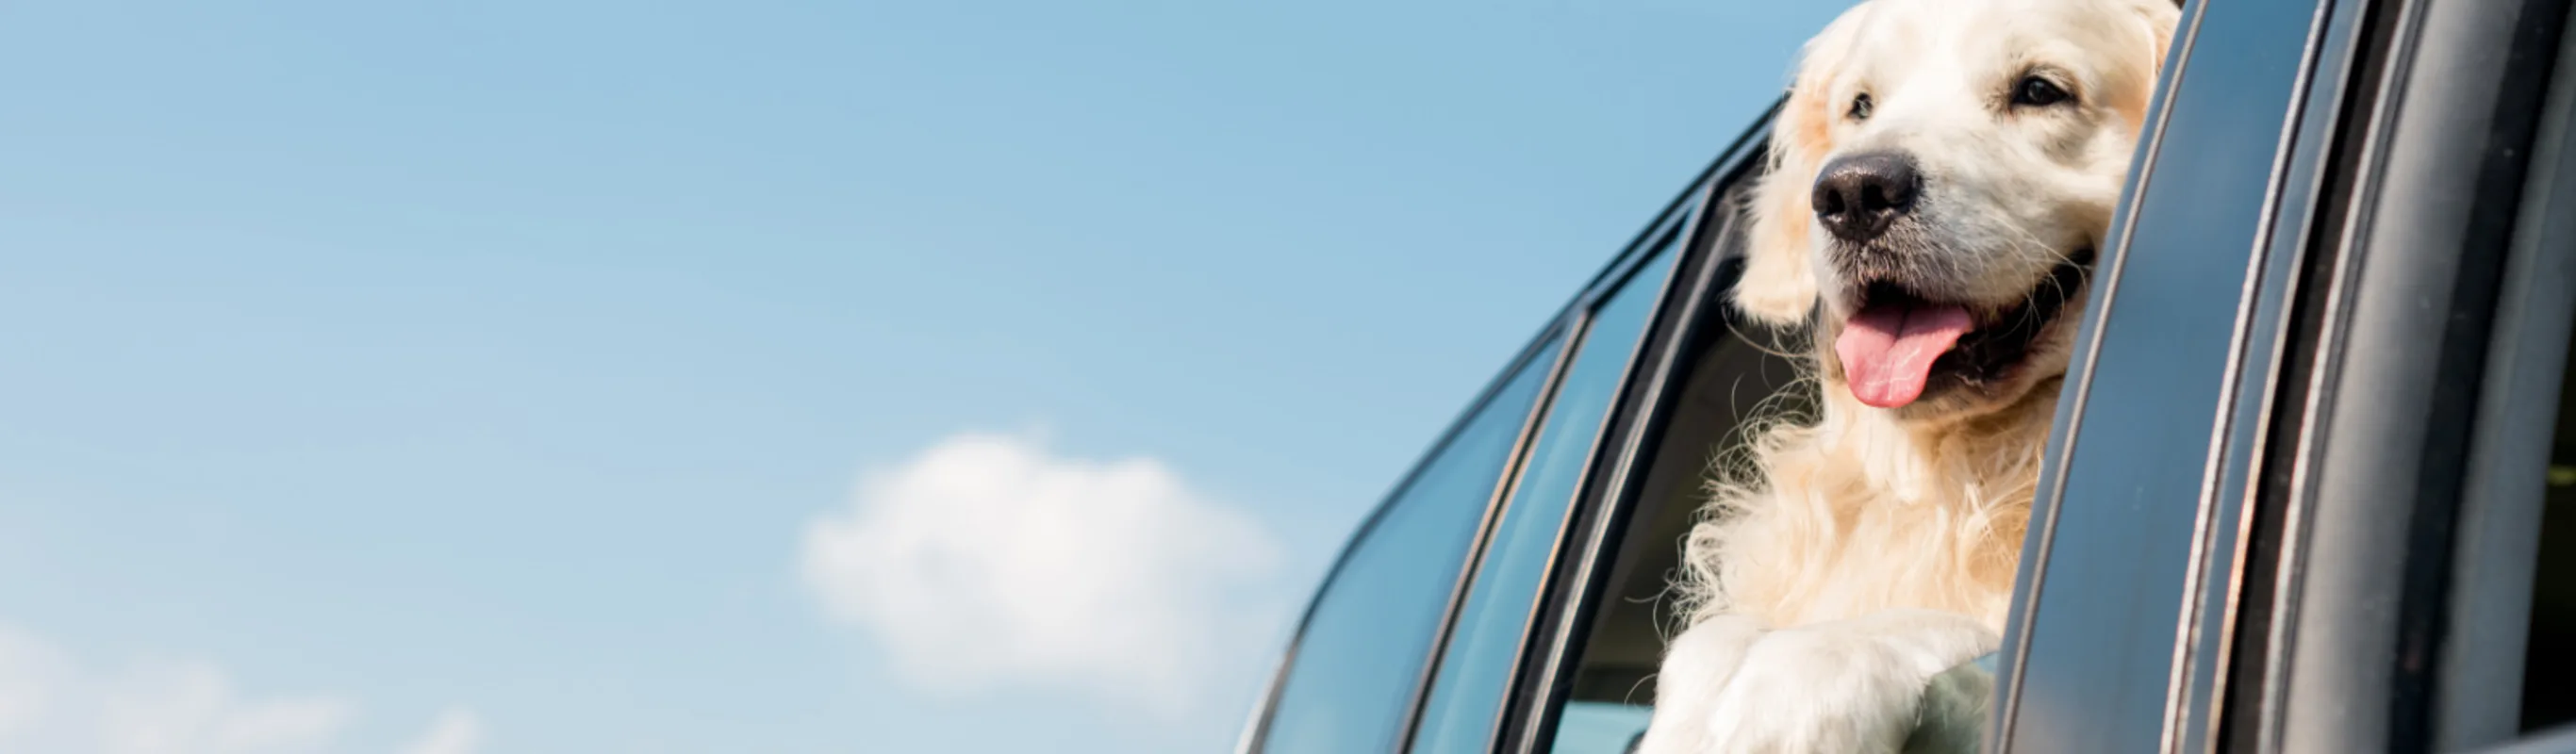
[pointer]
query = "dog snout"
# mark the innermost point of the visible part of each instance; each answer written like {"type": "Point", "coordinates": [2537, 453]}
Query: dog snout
{"type": "Point", "coordinates": [1858, 196]}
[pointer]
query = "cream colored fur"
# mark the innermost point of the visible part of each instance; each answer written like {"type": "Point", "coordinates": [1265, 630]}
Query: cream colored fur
{"type": "Point", "coordinates": [1852, 553]}
{"type": "Point", "coordinates": [1854, 514]}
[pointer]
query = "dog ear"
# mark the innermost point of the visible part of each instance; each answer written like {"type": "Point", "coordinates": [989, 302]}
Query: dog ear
{"type": "Point", "coordinates": [2150, 34]}
{"type": "Point", "coordinates": [1779, 282]}
{"type": "Point", "coordinates": [2161, 20]}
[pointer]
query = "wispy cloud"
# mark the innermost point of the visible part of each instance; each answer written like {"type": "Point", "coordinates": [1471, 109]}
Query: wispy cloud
{"type": "Point", "coordinates": [987, 560]}
{"type": "Point", "coordinates": [456, 731]}
{"type": "Point", "coordinates": [50, 701]}
{"type": "Point", "coordinates": [193, 707]}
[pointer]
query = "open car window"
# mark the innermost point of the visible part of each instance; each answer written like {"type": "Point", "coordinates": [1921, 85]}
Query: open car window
{"type": "Point", "coordinates": [1729, 376]}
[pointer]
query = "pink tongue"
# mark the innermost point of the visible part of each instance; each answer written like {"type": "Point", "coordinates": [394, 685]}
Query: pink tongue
{"type": "Point", "coordinates": [1887, 351]}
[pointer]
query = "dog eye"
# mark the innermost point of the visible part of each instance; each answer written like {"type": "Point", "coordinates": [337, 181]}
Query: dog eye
{"type": "Point", "coordinates": [2038, 92]}
{"type": "Point", "coordinates": [1860, 107]}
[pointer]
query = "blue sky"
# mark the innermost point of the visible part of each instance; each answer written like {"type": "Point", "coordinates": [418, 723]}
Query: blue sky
{"type": "Point", "coordinates": [482, 376]}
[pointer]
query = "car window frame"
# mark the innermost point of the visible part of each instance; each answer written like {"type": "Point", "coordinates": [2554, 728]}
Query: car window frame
{"type": "Point", "coordinates": [2231, 590]}
{"type": "Point", "coordinates": [1676, 233]}
{"type": "Point", "coordinates": [1683, 210]}
{"type": "Point", "coordinates": [1608, 493]}
{"type": "Point", "coordinates": [1256, 731]}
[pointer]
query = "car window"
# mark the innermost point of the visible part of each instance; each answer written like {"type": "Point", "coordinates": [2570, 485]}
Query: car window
{"type": "Point", "coordinates": [1724, 379]}
{"type": "Point", "coordinates": [1360, 656]}
{"type": "Point", "coordinates": [1477, 665]}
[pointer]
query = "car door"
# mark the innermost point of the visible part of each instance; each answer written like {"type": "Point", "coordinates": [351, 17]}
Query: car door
{"type": "Point", "coordinates": [2407, 608]}
{"type": "Point", "coordinates": [2296, 486]}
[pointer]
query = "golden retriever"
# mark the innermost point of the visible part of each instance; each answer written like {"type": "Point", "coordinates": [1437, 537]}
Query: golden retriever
{"type": "Point", "coordinates": [1939, 180]}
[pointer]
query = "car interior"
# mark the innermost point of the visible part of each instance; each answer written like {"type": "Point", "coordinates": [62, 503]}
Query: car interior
{"type": "Point", "coordinates": [2549, 662]}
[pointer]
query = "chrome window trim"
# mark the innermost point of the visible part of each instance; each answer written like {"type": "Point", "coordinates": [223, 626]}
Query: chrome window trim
{"type": "Point", "coordinates": [2258, 710]}
{"type": "Point", "coordinates": [2262, 350]}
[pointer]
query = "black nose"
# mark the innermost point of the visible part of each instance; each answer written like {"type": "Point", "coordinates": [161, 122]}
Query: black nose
{"type": "Point", "coordinates": [1857, 196]}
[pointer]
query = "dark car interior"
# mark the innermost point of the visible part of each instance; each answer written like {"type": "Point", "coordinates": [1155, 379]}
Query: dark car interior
{"type": "Point", "coordinates": [2549, 662]}
{"type": "Point", "coordinates": [1729, 380]}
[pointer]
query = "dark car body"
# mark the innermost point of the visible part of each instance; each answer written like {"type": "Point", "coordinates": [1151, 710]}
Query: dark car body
{"type": "Point", "coordinates": [2300, 490]}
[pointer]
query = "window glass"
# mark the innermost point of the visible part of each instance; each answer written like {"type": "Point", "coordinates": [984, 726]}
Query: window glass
{"type": "Point", "coordinates": [1476, 668]}
{"type": "Point", "coordinates": [1362, 653]}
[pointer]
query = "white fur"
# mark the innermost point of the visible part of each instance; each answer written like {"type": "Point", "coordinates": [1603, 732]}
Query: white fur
{"type": "Point", "coordinates": [1854, 553]}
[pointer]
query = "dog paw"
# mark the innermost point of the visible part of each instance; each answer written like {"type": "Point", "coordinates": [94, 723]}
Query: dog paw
{"type": "Point", "coordinates": [1696, 667]}
{"type": "Point", "coordinates": [1811, 691]}
{"type": "Point", "coordinates": [1849, 687]}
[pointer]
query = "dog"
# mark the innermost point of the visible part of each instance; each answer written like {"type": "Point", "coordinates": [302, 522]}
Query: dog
{"type": "Point", "coordinates": [1939, 179]}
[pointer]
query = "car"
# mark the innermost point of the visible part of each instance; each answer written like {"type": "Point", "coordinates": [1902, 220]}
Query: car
{"type": "Point", "coordinates": [2311, 485]}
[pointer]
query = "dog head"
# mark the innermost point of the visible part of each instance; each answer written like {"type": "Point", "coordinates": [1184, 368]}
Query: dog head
{"type": "Point", "coordinates": [1940, 178]}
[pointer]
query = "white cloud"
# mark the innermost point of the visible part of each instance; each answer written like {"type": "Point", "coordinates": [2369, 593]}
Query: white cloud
{"type": "Point", "coordinates": [32, 673]}
{"type": "Point", "coordinates": [456, 732]}
{"type": "Point", "coordinates": [191, 708]}
{"type": "Point", "coordinates": [50, 702]}
{"type": "Point", "coordinates": [988, 561]}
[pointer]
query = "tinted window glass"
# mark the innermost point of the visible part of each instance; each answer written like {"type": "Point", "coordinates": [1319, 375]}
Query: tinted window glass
{"type": "Point", "coordinates": [1362, 653]}
{"type": "Point", "coordinates": [1477, 666]}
